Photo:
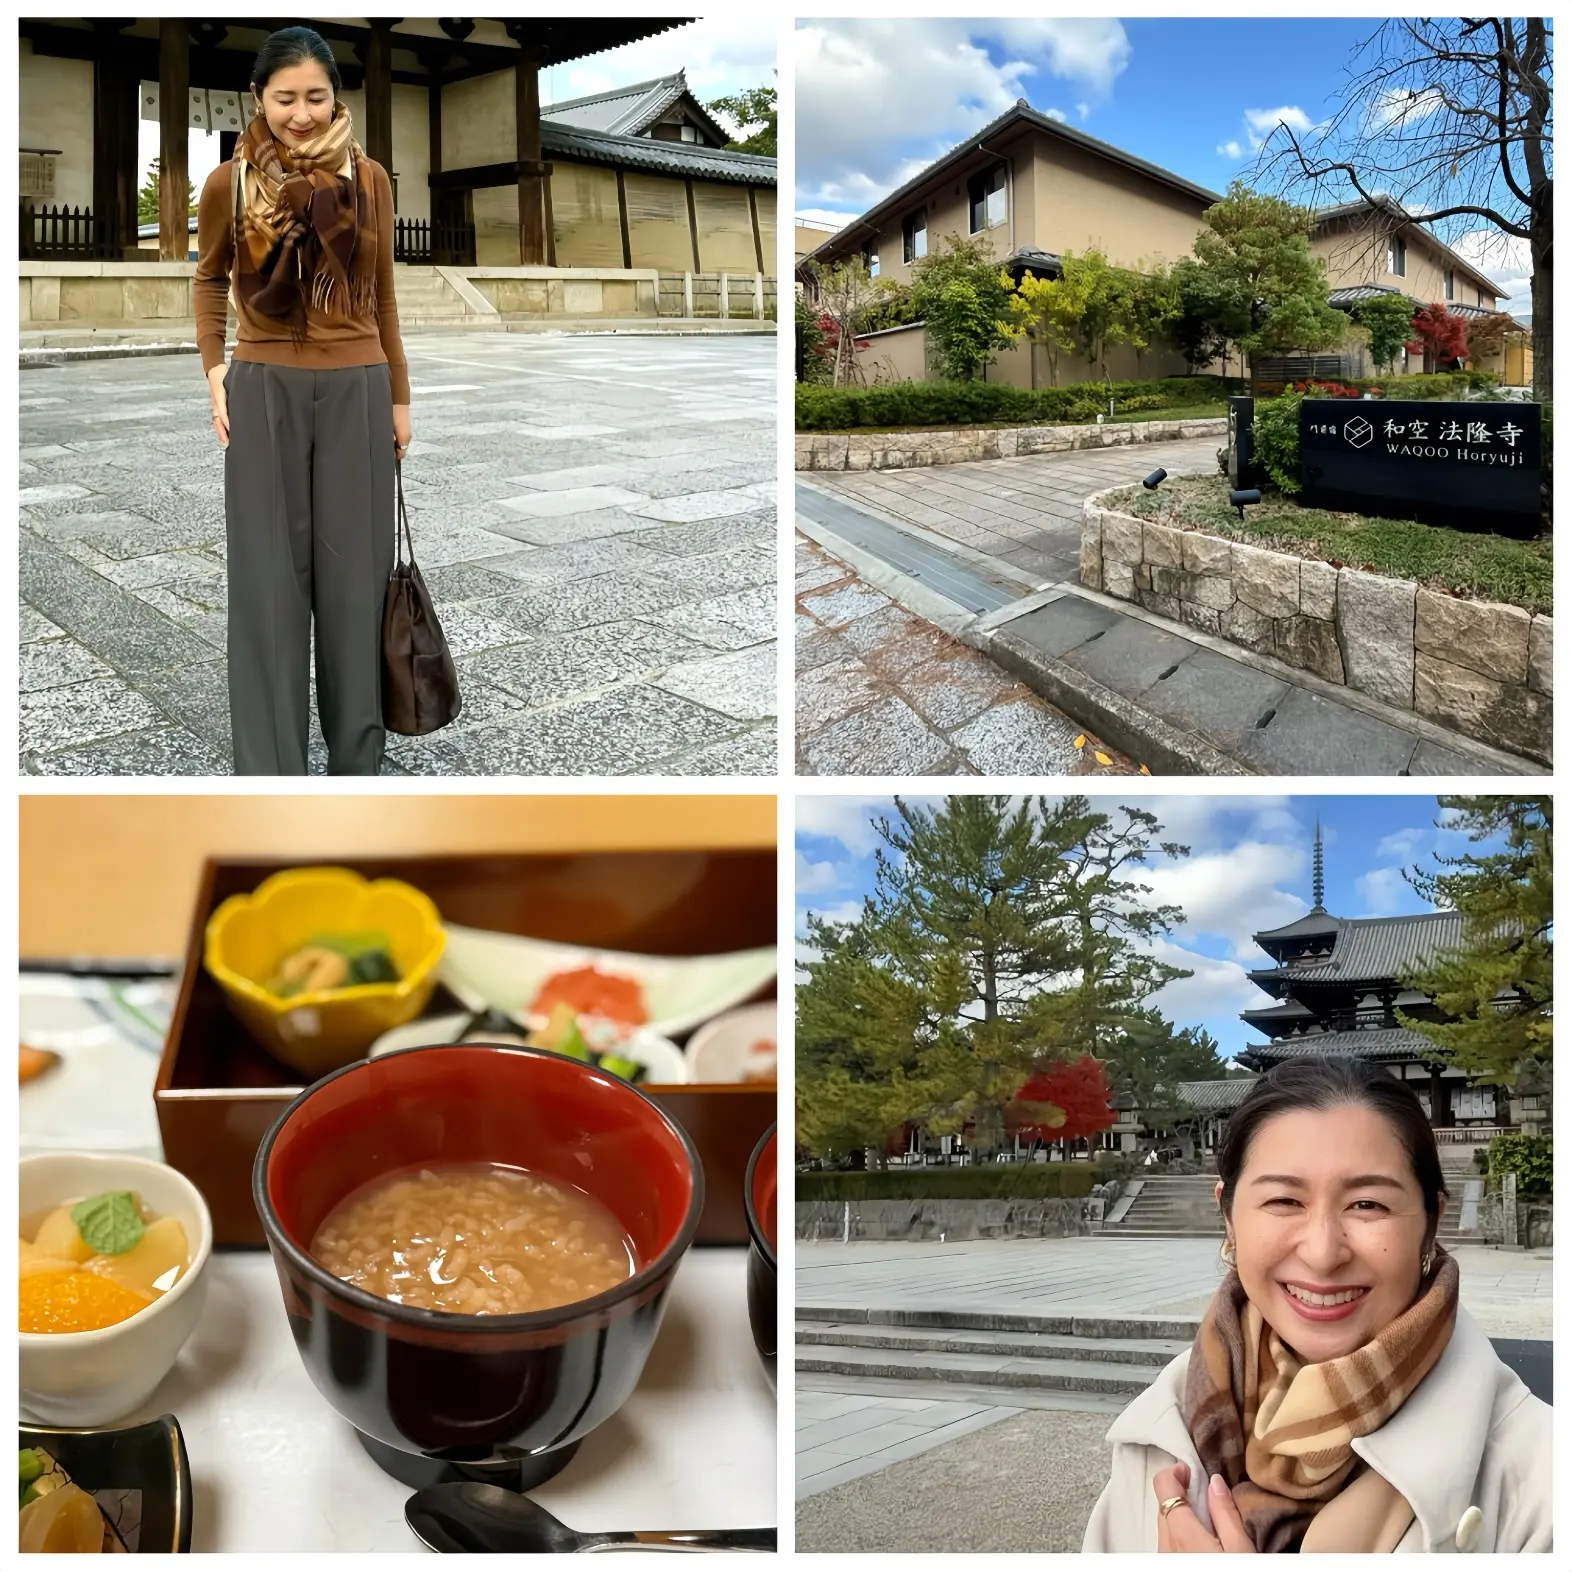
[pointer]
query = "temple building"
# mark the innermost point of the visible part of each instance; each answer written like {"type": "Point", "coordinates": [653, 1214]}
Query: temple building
{"type": "Point", "coordinates": [1337, 989]}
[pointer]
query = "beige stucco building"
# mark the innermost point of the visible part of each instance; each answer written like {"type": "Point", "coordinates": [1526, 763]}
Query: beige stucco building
{"type": "Point", "coordinates": [1031, 188]}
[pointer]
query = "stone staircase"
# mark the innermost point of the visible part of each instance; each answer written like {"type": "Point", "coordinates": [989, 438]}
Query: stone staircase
{"type": "Point", "coordinates": [426, 299]}
{"type": "Point", "coordinates": [1095, 1363]}
{"type": "Point", "coordinates": [1182, 1207]}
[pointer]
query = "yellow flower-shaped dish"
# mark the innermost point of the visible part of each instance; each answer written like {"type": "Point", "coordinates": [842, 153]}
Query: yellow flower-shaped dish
{"type": "Point", "coordinates": [321, 1031]}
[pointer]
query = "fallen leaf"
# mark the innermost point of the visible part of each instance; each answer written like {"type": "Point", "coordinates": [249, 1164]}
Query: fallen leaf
{"type": "Point", "coordinates": [1080, 742]}
{"type": "Point", "coordinates": [1145, 771]}
{"type": "Point", "coordinates": [1102, 758]}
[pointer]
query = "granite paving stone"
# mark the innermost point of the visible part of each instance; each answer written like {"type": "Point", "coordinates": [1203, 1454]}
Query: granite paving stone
{"type": "Point", "coordinates": [564, 604]}
{"type": "Point", "coordinates": [887, 738]}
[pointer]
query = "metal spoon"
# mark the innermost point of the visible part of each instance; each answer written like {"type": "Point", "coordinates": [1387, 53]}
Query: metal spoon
{"type": "Point", "coordinates": [474, 1517]}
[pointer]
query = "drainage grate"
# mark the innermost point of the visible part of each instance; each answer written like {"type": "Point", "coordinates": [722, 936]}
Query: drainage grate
{"type": "Point", "coordinates": [940, 570]}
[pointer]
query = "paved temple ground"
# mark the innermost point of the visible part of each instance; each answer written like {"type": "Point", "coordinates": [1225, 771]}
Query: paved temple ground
{"type": "Point", "coordinates": [594, 516]}
{"type": "Point", "coordinates": [882, 692]}
{"type": "Point", "coordinates": [882, 1462]}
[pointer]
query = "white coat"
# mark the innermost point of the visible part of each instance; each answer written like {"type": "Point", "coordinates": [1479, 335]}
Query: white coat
{"type": "Point", "coordinates": [1470, 1451]}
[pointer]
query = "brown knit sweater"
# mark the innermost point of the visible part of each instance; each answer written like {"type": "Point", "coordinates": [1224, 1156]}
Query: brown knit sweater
{"type": "Point", "coordinates": [331, 341]}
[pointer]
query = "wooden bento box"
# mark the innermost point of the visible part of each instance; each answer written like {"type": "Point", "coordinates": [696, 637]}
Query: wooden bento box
{"type": "Point", "coordinates": [217, 1092]}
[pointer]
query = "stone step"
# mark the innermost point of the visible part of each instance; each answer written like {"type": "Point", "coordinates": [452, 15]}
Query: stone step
{"type": "Point", "coordinates": [1069, 1375]}
{"type": "Point", "coordinates": [966, 1392]}
{"type": "Point", "coordinates": [1015, 1345]}
{"type": "Point", "coordinates": [1015, 1322]}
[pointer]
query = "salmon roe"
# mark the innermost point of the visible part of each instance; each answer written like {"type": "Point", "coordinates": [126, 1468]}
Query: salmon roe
{"type": "Point", "coordinates": [589, 991]}
{"type": "Point", "coordinates": [75, 1302]}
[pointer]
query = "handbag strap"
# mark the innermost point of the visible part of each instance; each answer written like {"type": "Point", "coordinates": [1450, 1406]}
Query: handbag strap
{"type": "Point", "coordinates": [401, 535]}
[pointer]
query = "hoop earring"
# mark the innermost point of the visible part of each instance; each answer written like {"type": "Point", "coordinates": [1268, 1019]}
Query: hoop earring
{"type": "Point", "coordinates": [1227, 1253]}
{"type": "Point", "coordinates": [1428, 1264]}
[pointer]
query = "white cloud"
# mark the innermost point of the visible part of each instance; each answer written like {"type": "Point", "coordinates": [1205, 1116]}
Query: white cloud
{"type": "Point", "coordinates": [1057, 114]}
{"type": "Point", "coordinates": [1504, 259]}
{"type": "Point", "coordinates": [823, 215]}
{"type": "Point", "coordinates": [816, 878]}
{"type": "Point", "coordinates": [1403, 843]}
{"type": "Point", "coordinates": [1400, 107]}
{"type": "Point", "coordinates": [1233, 893]}
{"type": "Point", "coordinates": [1218, 988]}
{"type": "Point", "coordinates": [1230, 150]}
{"type": "Point", "coordinates": [1263, 122]}
{"type": "Point", "coordinates": [1384, 890]}
{"type": "Point", "coordinates": [1084, 111]}
{"type": "Point", "coordinates": [869, 91]}
{"type": "Point", "coordinates": [721, 55]}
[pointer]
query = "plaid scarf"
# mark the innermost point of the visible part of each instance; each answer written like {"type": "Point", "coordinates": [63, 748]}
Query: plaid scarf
{"type": "Point", "coordinates": [1279, 1431]}
{"type": "Point", "coordinates": [305, 230]}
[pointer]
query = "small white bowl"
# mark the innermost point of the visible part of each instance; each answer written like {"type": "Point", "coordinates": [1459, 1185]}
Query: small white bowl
{"type": "Point", "coordinates": [84, 1379]}
{"type": "Point", "coordinates": [718, 1053]}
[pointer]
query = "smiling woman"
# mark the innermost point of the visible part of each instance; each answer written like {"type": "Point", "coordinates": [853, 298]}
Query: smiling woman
{"type": "Point", "coordinates": [1337, 1397]}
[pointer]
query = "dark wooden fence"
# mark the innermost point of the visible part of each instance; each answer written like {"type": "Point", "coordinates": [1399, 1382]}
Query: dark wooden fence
{"type": "Point", "coordinates": [439, 245]}
{"type": "Point", "coordinates": [64, 234]}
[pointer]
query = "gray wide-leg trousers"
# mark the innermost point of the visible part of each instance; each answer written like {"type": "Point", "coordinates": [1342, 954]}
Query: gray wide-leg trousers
{"type": "Point", "coordinates": [308, 501]}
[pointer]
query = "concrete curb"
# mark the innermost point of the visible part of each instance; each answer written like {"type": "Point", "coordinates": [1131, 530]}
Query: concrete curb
{"type": "Point", "coordinates": [1132, 1328]}
{"type": "Point", "coordinates": [904, 590]}
{"type": "Point", "coordinates": [1162, 748]}
{"type": "Point", "coordinates": [67, 354]}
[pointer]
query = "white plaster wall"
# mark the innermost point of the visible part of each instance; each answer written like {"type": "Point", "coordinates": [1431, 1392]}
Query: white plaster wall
{"type": "Point", "coordinates": [478, 121]}
{"type": "Point", "coordinates": [55, 104]}
{"type": "Point", "coordinates": [412, 150]}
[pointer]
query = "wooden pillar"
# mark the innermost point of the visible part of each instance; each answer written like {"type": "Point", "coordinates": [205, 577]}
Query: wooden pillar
{"type": "Point", "coordinates": [532, 172]}
{"type": "Point", "coordinates": [174, 91]}
{"type": "Point", "coordinates": [379, 94]}
{"type": "Point", "coordinates": [115, 111]}
{"type": "Point", "coordinates": [693, 228]}
{"type": "Point", "coordinates": [758, 239]}
{"type": "Point", "coordinates": [434, 121]}
{"type": "Point", "coordinates": [622, 220]}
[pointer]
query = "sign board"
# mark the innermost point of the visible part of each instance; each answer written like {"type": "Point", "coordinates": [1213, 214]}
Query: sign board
{"type": "Point", "coordinates": [1241, 443]}
{"type": "Point", "coordinates": [1476, 459]}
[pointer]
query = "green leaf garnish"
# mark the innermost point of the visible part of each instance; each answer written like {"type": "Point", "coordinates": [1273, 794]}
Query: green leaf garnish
{"type": "Point", "coordinates": [109, 1224]}
{"type": "Point", "coordinates": [628, 1069]}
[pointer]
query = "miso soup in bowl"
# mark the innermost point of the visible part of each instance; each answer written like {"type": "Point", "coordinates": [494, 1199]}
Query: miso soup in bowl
{"type": "Point", "coordinates": [475, 1243]}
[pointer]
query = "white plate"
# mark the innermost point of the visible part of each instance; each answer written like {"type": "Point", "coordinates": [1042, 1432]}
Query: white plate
{"type": "Point", "coordinates": [504, 972]}
{"type": "Point", "coordinates": [718, 1053]}
{"type": "Point", "coordinates": [663, 1061]}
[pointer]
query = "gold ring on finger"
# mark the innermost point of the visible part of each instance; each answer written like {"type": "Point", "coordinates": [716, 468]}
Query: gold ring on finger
{"type": "Point", "coordinates": [1165, 1507]}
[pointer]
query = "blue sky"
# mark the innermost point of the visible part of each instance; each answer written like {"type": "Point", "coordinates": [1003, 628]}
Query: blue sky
{"type": "Point", "coordinates": [879, 100]}
{"type": "Point", "coordinates": [1248, 870]}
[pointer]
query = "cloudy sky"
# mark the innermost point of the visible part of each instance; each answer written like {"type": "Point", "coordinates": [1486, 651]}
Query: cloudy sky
{"type": "Point", "coordinates": [879, 100]}
{"type": "Point", "coordinates": [721, 57]}
{"type": "Point", "coordinates": [1248, 870]}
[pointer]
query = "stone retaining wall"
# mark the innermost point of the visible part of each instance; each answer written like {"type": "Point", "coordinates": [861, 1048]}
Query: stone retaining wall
{"type": "Point", "coordinates": [963, 445]}
{"type": "Point", "coordinates": [917, 1220]}
{"type": "Point", "coordinates": [1476, 667]}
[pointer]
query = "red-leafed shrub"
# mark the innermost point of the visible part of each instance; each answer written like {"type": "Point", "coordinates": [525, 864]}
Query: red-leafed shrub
{"type": "Point", "coordinates": [1062, 1103]}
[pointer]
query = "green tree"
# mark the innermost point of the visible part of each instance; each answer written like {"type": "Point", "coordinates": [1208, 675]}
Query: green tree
{"type": "Point", "coordinates": [147, 197]}
{"type": "Point", "coordinates": [1495, 987]}
{"type": "Point", "coordinates": [754, 106]}
{"type": "Point", "coordinates": [1389, 320]}
{"type": "Point", "coordinates": [1045, 311]}
{"type": "Point", "coordinates": [957, 293]}
{"type": "Point", "coordinates": [1268, 289]}
{"type": "Point", "coordinates": [1148, 1059]}
{"type": "Point", "coordinates": [1153, 307]}
{"type": "Point", "coordinates": [1001, 936]}
{"type": "Point", "coordinates": [1194, 330]}
{"type": "Point", "coordinates": [845, 292]}
{"type": "Point", "coordinates": [1106, 293]}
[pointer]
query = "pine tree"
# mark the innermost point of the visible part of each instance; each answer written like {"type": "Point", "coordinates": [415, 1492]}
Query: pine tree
{"type": "Point", "coordinates": [1495, 987]}
{"type": "Point", "coordinates": [1001, 937]}
{"type": "Point", "coordinates": [147, 197]}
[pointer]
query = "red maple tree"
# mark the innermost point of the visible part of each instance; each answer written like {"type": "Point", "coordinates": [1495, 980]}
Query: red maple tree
{"type": "Point", "coordinates": [1077, 1091]}
{"type": "Point", "coordinates": [1439, 333]}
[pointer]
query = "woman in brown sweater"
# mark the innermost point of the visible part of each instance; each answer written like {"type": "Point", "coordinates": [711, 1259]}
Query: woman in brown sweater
{"type": "Point", "coordinates": [297, 231]}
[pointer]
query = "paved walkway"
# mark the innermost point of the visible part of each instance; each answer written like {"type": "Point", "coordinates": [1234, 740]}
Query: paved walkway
{"type": "Point", "coordinates": [1507, 1291]}
{"type": "Point", "coordinates": [880, 691]}
{"type": "Point", "coordinates": [1176, 699]}
{"type": "Point", "coordinates": [594, 516]}
{"type": "Point", "coordinates": [1024, 511]}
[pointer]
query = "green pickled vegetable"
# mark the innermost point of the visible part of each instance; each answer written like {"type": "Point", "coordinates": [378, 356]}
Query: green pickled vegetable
{"type": "Point", "coordinates": [110, 1223]}
{"type": "Point", "coordinates": [628, 1069]}
{"type": "Point", "coordinates": [30, 1465]}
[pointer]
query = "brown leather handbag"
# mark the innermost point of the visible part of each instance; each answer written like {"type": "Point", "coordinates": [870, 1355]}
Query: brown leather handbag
{"type": "Point", "coordinates": [420, 691]}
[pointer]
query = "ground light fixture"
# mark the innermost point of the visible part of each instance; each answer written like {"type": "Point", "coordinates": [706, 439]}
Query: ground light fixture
{"type": "Point", "coordinates": [1155, 479]}
{"type": "Point", "coordinates": [1241, 500]}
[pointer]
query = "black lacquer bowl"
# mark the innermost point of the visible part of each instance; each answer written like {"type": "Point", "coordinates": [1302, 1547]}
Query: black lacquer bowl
{"type": "Point", "coordinates": [759, 1188]}
{"type": "Point", "coordinates": [434, 1395]}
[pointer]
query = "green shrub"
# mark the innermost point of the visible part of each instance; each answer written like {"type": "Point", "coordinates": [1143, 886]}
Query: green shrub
{"type": "Point", "coordinates": [991, 1181]}
{"type": "Point", "coordinates": [1430, 385]}
{"type": "Point", "coordinates": [900, 404]}
{"type": "Point", "coordinates": [813, 364]}
{"type": "Point", "coordinates": [1527, 1156]}
{"type": "Point", "coordinates": [1276, 432]}
{"type": "Point", "coordinates": [1141, 401]}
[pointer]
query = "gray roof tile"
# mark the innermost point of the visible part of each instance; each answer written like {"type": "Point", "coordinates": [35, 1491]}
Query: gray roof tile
{"type": "Point", "coordinates": [1384, 1042]}
{"type": "Point", "coordinates": [1207, 1096]}
{"type": "Point", "coordinates": [1372, 947]}
{"type": "Point", "coordinates": [667, 158]}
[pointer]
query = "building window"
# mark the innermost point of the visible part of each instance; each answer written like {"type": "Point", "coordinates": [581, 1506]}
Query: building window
{"type": "Point", "coordinates": [690, 133]}
{"type": "Point", "coordinates": [1396, 256]}
{"type": "Point", "coordinates": [870, 260]}
{"type": "Point", "coordinates": [914, 236]}
{"type": "Point", "coordinates": [986, 193]}
{"type": "Point", "coordinates": [1447, 283]}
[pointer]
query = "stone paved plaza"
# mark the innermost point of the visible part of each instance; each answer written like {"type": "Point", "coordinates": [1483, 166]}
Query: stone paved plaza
{"type": "Point", "coordinates": [1507, 1291]}
{"type": "Point", "coordinates": [882, 692]}
{"type": "Point", "coordinates": [594, 516]}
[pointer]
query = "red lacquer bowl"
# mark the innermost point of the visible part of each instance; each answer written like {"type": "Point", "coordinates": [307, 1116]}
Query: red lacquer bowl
{"type": "Point", "coordinates": [759, 1197]}
{"type": "Point", "coordinates": [435, 1395]}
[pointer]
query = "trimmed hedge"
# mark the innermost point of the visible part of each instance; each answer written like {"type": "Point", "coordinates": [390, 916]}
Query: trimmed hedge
{"type": "Point", "coordinates": [897, 404]}
{"type": "Point", "coordinates": [991, 1182]}
{"type": "Point", "coordinates": [1434, 384]}
{"type": "Point", "coordinates": [1527, 1156]}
